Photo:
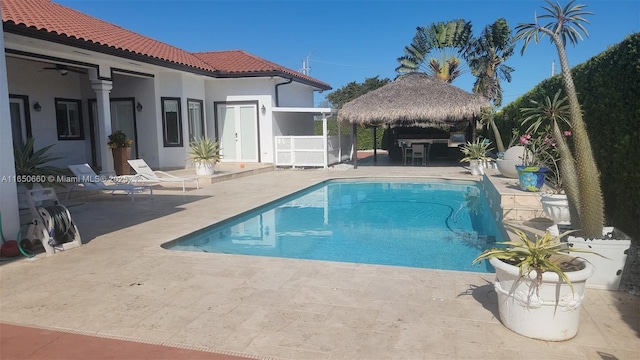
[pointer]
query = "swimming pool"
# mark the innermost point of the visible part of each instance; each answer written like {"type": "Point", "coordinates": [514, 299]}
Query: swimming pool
{"type": "Point", "coordinates": [415, 223]}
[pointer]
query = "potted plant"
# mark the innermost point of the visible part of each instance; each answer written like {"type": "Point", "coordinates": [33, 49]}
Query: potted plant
{"type": "Point", "coordinates": [476, 154]}
{"type": "Point", "coordinates": [204, 154]}
{"type": "Point", "coordinates": [553, 113]}
{"type": "Point", "coordinates": [539, 286]}
{"type": "Point", "coordinates": [31, 169]}
{"type": "Point", "coordinates": [581, 177]}
{"type": "Point", "coordinates": [533, 169]}
{"type": "Point", "coordinates": [121, 149]}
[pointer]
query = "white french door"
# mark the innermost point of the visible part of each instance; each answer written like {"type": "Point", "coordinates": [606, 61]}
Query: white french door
{"type": "Point", "coordinates": [238, 131]}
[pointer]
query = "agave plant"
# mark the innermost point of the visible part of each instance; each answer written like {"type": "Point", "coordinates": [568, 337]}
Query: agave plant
{"type": "Point", "coordinates": [30, 165]}
{"type": "Point", "coordinates": [541, 254]}
{"type": "Point", "coordinates": [476, 150]}
{"type": "Point", "coordinates": [205, 149]}
{"type": "Point", "coordinates": [581, 177]}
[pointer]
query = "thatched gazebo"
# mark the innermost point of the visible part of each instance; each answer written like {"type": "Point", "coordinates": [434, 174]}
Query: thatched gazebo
{"type": "Point", "coordinates": [413, 100]}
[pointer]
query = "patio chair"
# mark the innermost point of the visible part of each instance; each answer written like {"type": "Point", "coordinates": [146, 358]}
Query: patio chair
{"type": "Point", "coordinates": [88, 180]}
{"type": "Point", "coordinates": [417, 153]}
{"type": "Point", "coordinates": [406, 151]}
{"type": "Point", "coordinates": [144, 174]}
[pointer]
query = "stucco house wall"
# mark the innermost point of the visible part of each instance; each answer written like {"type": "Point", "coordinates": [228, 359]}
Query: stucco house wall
{"type": "Point", "coordinates": [44, 86]}
{"type": "Point", "coordinates": [127, 65]}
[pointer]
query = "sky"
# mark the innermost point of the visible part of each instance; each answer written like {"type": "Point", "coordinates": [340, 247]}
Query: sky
{"type": "Point", "coordinates": [352, 40]}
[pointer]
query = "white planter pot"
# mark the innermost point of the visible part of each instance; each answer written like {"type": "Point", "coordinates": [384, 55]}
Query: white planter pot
{"type": "Point", "coordinates": [553, 315]}
{"type": "Point", "coordinates": [204, 168]}
{"type": "Point", "coordinates": [556, 206]}
{"type": "Point", "coordinates": [476, 167]}
{"type": "Point", "coordinates": [608, 272]}
{"type": "Point", "coordinates": [512, 157]}
{"type": "Point", "coordinates": [507, 168]}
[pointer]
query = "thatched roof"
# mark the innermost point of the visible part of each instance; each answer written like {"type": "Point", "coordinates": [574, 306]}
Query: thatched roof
{"type": "Point", "coordinates": [416, 99]}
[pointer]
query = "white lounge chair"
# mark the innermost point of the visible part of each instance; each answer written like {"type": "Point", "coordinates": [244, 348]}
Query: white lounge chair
{"type": "Point", "coordinates": [88, 180]}
{"type": "Point", "coordinates": [144, 174]}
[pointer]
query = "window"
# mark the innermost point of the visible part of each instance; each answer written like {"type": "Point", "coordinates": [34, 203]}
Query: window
{"type": "Point", "coordinates": [69, 119]}
{"type": "Point", "coordinates": [196, 119]}
{"type": "Point", "coordinates": [20, 118]}
{"type": "Point", "coordinates": [171, 122]}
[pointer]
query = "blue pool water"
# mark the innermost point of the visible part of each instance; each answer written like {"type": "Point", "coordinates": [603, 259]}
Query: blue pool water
{"type": "Point", "coordinates": [426, 224]}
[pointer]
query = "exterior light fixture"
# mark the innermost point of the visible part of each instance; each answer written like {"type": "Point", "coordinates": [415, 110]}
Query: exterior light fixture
{"type": "Point", "coordinates": [139, 107]}
{"type": "Point", "coordinates": [263, 109]}
{"type": "Point", "coordinates": [37, 107]}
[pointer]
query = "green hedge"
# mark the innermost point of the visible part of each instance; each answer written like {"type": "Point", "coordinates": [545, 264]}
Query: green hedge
{"type": "Point", "coordinates": [365, 135]}
{"type": "Point", "coordinates": [609, 92]}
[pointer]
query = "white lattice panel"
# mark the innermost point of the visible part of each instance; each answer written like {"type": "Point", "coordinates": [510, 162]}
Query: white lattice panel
{"type": "Point", "coordinates": [283, 143]}
{"type": "Point", "coordinates": [310, 150]}
{"type": "Point", "coordinates": [308, 143]}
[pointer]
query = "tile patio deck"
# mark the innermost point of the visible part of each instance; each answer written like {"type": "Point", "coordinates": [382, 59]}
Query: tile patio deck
{"type": "Point", "coordinates": [122, 285]}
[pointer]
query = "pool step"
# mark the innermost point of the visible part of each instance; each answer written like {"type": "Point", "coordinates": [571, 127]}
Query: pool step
{"type": "Point", "coordinates": [232, 171]}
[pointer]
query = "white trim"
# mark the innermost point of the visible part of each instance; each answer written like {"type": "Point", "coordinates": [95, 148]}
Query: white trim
{"type": "Point", "coordinates": [305, 110]}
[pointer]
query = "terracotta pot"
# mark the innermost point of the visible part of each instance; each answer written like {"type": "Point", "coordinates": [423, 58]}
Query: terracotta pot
{"type": "Point", "coordinates": [120, 157]}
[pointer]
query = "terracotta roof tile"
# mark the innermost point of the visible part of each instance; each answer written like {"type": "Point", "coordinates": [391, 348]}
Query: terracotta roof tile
{"type": "Point", "coordinates": [57, 19]}
{"type": "Point", "coordinates": [241, 62]}
{"type": "Point", "coordinates": [53, 18]}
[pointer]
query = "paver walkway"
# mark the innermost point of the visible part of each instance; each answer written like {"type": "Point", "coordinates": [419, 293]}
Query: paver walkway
{"type": "Point", "coordinates": [123, 285]}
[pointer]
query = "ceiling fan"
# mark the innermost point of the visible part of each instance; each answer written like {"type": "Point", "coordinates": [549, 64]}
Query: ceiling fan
{"type": "Point", "coordinates": [64, 69]}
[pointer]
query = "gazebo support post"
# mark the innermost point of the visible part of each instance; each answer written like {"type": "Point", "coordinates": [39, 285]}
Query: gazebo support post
{"type": "Point", "coordinates": [375, 146]}
{"type": "Point", "coordinates": [473, 122]}
{"type": "Point", "coordinates": [354, 132]}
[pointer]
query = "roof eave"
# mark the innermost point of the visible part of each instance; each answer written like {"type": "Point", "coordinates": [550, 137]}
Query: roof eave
{"type": "Point", "coordinates": [283, 74]}
{"type": "Point", "coordinates": [45, 35]}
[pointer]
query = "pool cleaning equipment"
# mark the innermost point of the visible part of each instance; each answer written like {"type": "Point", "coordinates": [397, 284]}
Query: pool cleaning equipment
{"type": "Point", "coordinates": [51, 225]}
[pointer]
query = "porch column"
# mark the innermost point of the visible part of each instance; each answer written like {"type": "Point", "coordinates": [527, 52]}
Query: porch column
{"type": "Point", "coordinates": [339, 144]}
{"type": "Point", "coordinates": [8, 186]}
{"type": "Point", "coordinates": [326, 139]}
{"type": "Point", "coordinates": [102, 89]}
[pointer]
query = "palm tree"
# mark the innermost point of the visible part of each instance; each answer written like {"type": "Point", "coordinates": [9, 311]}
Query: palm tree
{"type": "Point", "coordinates": [566, 23]}
{"type": "Point", "coordinates": [437, 50]}
{"type": "Point", "coordinates": [486, 57]}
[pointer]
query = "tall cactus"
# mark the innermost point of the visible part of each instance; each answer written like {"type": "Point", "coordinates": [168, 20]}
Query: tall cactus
{"type": "Point", "coordinates": [567, 24]}
{"type": "Point", "coordinates": [556, 110]}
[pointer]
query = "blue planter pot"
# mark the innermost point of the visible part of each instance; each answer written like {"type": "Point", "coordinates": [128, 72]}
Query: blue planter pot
{"type": "Point", "coordinates": [531, 178]}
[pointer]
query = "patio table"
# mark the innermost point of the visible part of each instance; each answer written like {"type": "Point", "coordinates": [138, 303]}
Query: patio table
{"type": "Point", "coordinates": [406, 144]}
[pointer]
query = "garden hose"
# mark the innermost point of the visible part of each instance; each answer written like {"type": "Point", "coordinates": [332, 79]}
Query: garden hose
{"type": "Point", "coordinates": [24, 252]}
{"type": "Point", "coordinates": [27, 253]}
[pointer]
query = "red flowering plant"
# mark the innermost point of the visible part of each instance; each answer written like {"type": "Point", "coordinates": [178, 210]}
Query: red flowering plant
{"type": "Point", "coordinates": [537, 148]}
